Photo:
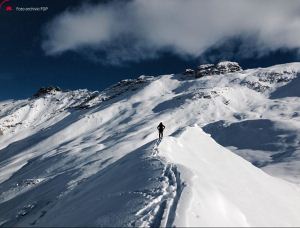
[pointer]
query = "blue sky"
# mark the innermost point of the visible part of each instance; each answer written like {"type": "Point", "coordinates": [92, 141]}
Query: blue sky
{"type": "Point", "coordinates": [35, 51]}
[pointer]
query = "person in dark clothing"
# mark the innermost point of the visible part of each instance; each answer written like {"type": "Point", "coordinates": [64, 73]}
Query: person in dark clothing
{"type": "Point", "coordinates": [160, 129]}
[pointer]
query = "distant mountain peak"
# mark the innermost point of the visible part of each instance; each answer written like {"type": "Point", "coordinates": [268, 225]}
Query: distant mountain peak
{"type": "Point", "coordinates": [222, 67]}
{"type": "Point", "coordinates": [46, 90]}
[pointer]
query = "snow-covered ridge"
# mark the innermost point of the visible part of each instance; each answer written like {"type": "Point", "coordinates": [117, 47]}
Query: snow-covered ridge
{"type": "Point", "coordinates": [62, 151]}
{"type": "Point", "coordinates": [50, 102]}
{"type": "Point", "coordinates": [225, 187]}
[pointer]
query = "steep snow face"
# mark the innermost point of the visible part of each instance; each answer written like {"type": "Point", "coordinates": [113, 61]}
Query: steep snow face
{"type": "Point", "coordinates": [62, 154]}
{"type": "Point", "coordinates": [222, 189]}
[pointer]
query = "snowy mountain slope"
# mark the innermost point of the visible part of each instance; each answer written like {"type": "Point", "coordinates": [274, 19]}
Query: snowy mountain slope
{"type": "Point", "coordinates": [65, 149]}
{"type": "Point", "coordinates": [224, 189]}
{"type": "Point", "coordinates": [112, 196]}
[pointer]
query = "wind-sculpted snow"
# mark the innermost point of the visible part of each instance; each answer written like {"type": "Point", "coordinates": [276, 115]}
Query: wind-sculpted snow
{"type": "Point", "coordinates": [225, 190]}
{"type": "Point", "coordinates": [111, 197]}
{"type": "Point", "coordinates": [263, 142]}
{"type": "Point", "coordinates": [82, 158]}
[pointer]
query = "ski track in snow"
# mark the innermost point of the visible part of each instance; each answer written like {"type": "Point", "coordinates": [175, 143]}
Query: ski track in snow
{"type": "Point", "coordinates": [161, 210]}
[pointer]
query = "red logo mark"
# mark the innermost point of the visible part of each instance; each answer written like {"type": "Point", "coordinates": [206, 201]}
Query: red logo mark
{"type": "Point", "coordinates": [8, 8]}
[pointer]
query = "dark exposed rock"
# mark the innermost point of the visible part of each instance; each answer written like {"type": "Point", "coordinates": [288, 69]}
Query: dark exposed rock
{"type": "Point", "coordinates": [46, 90]}
{"type": "Point", "coordinates": [125, 86]}
{"type": "Point", "coordinates": [204, 94]}
{"type": "Point", "coordinates": [85, 104]}
{"type": "Point", "coordinates": [205, 69]}
{"type": "Point", "coordinates": [189, 72]}
{"type": "Point", "coordinates": [276, 77]}
{"type": "Point", "coordinates": [217, 69]}
{"type": "Point", "coordinates": [255, 86]}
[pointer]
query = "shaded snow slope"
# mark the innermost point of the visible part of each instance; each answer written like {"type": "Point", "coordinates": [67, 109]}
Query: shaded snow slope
{"type": "Point", "coordinates": [111, 197]}
{"type": "Point", "coordinates": [70, 148]}
{"type": "Point", "coordinates": [225, 190]}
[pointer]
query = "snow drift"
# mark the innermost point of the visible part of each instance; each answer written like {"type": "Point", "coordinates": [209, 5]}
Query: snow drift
{"type": "Point", "coordinates": [225, 190]}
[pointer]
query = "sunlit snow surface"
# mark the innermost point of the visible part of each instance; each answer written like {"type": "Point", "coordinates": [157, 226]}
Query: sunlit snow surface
{"type": "Point", "coordinates": [225, 190]}
{"type": "Point", "coordinates": [83, 158]}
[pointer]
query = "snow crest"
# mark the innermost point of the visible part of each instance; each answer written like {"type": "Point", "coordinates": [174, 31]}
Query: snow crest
{"type": "Point", "coordinates": [226, 190]}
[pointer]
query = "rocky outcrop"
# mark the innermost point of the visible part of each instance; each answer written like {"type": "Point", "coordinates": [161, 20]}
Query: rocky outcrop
{"type": "Point", "coordinates": [126, 86]}
{"type": "Point", "coordinates": [46, 90]}
{"type": "Point", "coordinates": [189, 72]}
{"type": "Point", "coordinates": [276, 77]}
{"type": "Point", "coordinates": [217, 69]}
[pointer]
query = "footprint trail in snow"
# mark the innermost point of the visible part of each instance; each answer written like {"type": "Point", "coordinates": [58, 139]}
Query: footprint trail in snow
{"type": "Point", "coordinates": [161, 210]}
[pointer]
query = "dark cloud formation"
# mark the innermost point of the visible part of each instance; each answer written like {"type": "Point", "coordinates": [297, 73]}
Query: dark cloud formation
{"type": "Point", "coordinates": [141, 29]}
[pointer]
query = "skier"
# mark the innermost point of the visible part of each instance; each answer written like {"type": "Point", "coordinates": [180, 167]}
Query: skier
{"type": "Point", "coordinates": [160, 129]}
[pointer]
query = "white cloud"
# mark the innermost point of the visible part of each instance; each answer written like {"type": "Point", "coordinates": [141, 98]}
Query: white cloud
{"type": "Point", "coordinates": [141, 29]}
